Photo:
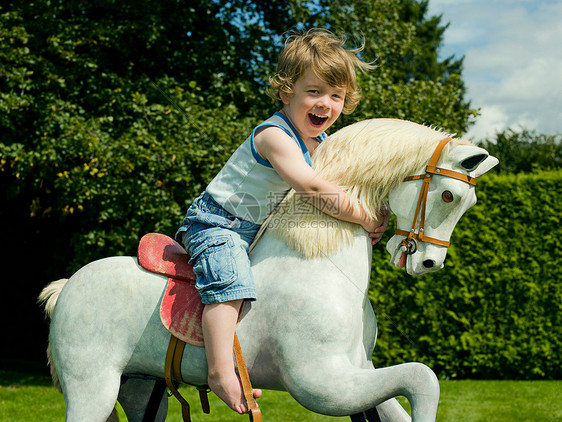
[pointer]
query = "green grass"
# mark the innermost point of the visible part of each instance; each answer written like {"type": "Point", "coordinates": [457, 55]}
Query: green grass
{"type": "Point", "coordinates": [27, 395]}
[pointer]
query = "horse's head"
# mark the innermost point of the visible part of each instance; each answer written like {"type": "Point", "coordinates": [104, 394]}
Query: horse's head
{"type": "Point", "coordinates": [429, 206]}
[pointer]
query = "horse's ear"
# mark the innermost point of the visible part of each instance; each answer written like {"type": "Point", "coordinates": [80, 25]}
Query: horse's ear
{"type": "Point", "coordinates": [486, 165]}
{"type": "Point", "coordinates": [471, 163]}
{"type": "Point", "coordinates": [473, 159]}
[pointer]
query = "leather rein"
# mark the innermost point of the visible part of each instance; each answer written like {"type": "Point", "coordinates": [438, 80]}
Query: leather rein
{"type": "Point", "coordinates": [410, 243]}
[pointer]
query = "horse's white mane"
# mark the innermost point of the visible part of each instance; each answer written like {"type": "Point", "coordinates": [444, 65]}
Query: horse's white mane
{"type": "Point", "coordinates": [367, 159]}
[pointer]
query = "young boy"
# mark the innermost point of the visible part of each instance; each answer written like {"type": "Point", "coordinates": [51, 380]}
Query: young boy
{"type": "Point", "coordinates": [315, 82]}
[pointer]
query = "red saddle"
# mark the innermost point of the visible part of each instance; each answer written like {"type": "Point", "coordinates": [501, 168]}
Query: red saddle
{"type": "Point", "coordinates": [181, 307]}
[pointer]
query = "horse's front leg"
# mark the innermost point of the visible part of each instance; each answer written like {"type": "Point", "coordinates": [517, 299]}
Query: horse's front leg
{"type": "Point", "coordinates": [332, 386]}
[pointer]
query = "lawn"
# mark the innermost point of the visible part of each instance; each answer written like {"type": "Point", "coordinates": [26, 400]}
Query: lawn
{"type": "Point", "coordinates": [26, 395]}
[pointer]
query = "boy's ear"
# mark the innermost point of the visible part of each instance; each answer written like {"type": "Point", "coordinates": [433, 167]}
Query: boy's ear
{"type": "Point", "coordinates": [284, 97]}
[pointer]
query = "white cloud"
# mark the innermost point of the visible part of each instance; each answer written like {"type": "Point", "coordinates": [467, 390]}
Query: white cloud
{"type": "Point", "coordinates": [513, 61]}
{"type": "Point", "coordinates": [493, 119]}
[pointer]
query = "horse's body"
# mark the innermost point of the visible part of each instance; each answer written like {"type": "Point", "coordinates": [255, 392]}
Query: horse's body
{"type": "Point", "coordinates": [311, 332]}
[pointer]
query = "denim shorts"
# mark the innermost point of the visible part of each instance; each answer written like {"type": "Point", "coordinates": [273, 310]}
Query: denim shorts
{"type": "Point", "coordinates": [218, 243]}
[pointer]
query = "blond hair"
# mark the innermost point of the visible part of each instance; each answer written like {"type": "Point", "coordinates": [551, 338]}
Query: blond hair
{"type": "Point", "coordinates": [324, 53]}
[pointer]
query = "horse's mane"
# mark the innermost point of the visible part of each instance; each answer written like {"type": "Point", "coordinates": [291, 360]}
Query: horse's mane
{"type": "Point", "coordinates": [367, 159]}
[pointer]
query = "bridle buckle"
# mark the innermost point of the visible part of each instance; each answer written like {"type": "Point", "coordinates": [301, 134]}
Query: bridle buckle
{"type": "Point", "coordinates": [409, 246]}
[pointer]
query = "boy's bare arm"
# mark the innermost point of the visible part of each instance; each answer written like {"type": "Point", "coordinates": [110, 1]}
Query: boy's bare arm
{"type": "Point", "coordinates": [274, 145]}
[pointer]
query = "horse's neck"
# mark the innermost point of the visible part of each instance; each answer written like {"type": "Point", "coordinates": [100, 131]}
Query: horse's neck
{"type": "Point", "coordinates": [353, 263]}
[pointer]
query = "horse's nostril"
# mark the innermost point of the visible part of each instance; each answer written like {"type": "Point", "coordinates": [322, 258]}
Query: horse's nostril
{"type": "Point", "coordinates": [428, 263]}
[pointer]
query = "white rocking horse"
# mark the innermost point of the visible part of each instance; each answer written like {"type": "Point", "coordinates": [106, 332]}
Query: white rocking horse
{"type": "Point", "coordinates": [312, 330]}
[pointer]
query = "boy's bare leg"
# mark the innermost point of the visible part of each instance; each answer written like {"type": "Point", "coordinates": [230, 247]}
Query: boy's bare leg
{"type": "Point", "coordinates": [219, 324]}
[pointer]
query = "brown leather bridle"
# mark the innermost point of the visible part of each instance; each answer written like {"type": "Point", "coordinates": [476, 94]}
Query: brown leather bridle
{"type": "Point", "coordinates": [412, 237]}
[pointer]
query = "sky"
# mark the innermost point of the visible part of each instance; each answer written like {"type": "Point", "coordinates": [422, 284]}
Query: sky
{"type": "Point", "coordinates": [513, 61]}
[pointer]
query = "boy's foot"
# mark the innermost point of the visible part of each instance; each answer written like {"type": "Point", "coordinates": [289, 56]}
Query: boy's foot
{"type": "Point", "coordinates": [229, 389]}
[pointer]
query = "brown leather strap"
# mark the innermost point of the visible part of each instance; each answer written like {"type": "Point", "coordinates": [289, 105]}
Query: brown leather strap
{"type": "Point", "coordinates": [420, 206]}
{"type": "Point", "coordinates": [423, 238]}
{"type": "Point", "coordinates": [178, 354]}
{"type": "Point", "coordinates": [430, 170]}
{"type": "Point", "coordinates": [253, 409]}
{"type": "Point", "coordinates": [422, 199]}
{"type": "Point", "coordinates": [169, 369]}
{"type": "Point", "coordinates": [204, 398]}
{"type": "Point", "coordinates": [444, 172]}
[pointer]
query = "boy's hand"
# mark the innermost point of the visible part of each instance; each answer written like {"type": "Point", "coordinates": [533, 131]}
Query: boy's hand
{"type": "Point", "coordinates": [380, 225]}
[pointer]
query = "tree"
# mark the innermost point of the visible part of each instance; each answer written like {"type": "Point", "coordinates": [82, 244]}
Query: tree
{"type": "Point", "coordinates": [149, 98]}
{"type": "Point", "coordinates": [114, 115]}
{"type": "Point", "coordinates": [525, 151]}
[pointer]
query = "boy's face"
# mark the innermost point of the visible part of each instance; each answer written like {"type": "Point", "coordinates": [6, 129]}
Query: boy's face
{"type": "Point", "coordinates": [314, 105]}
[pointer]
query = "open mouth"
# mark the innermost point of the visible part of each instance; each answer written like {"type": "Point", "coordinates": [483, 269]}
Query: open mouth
{"type": "Point", "coordinates": [317, 120]}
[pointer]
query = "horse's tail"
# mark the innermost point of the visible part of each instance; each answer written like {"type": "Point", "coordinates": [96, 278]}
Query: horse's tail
{"type": "Point", "coordinates": [49, 295]}
{"type": "Point", "coordinates": [48, 298]}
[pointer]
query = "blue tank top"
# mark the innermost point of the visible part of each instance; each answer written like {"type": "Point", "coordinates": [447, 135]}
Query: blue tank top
{"type": "Point", "coordinates": [248, 186]}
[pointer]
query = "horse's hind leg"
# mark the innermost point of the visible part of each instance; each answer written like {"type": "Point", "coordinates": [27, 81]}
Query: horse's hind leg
{"type": "Point", "coordinates": [135, 395]}
{"type": "Point", "coordinates": [90, 397]}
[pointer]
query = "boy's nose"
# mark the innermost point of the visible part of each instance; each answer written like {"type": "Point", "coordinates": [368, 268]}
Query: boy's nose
{"type": "Point", "coordinates": [323, 102]}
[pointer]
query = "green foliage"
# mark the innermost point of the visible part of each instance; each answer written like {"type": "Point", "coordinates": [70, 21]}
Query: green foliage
{"type": "Point", "coordinates": [105, 189]}
{"type": "Point", "coordinates": [114, 115]}
{"type": "Point", "coordinates": [495, 310]}
{"type": "Point", "coordinates": [525, 151]}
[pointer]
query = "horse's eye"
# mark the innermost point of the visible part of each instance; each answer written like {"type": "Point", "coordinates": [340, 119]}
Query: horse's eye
{"type": "Point", "coordinates": [447, 196]}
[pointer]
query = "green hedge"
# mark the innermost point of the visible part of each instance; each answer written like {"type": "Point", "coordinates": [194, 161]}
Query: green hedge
{"type": "Point", "coordinates": [495, 310]}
